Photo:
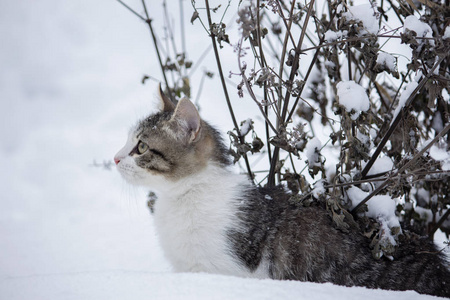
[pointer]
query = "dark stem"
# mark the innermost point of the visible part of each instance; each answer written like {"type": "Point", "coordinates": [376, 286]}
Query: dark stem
{"type": "Point", "coordinates": [439, 224]}
{"type": "Point", "coordinates": [273, 164]}
{"type": "Point", "coordinates": [225, 91]}
{"type": "Point", "coordinates": [149, 22]}
{"type": "Point", "coordinates": [349, 61]}
{"type": "Point", "coordinates": [130, 9]}
{"type": "Point", "coordinates": [262, 62]}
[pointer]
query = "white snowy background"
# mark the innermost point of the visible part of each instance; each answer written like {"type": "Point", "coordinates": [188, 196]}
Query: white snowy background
{"type": "Point", "coordinates": [70, 88]}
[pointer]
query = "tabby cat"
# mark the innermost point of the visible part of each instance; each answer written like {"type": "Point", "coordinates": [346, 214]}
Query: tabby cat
{"type": "Point", "coordinates": [209, 219]}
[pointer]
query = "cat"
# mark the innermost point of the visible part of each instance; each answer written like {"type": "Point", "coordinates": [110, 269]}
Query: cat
{"type": "Point", "coordinates": [209, 219]}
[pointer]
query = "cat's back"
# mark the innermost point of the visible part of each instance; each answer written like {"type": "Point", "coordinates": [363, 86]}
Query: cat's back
{"type": "Point", "coordinates": [304, 244]}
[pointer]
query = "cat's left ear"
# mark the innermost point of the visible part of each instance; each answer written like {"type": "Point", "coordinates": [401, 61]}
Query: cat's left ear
{"type": "Point", "coordinates": [188, 119]}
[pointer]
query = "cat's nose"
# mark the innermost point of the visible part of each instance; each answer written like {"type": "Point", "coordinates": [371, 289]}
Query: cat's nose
{"type": "Point", "coordinates": [116, 160]}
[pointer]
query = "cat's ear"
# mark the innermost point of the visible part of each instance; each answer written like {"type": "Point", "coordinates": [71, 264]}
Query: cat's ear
{"type": "Point", "coordinates": [167, 104]}
{"type": "Point", "coordinates": [188, 120]}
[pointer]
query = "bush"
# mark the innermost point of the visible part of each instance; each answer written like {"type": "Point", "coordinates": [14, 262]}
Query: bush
{"type": "Point", "coordinates": [369, 125]}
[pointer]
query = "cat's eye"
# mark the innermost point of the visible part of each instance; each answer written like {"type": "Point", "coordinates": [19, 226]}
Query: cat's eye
{"type": "Point", "coordinates": [141, 147]}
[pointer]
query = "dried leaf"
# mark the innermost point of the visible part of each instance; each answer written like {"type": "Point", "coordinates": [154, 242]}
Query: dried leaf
{"type": "Point", "coordinates": [144, 79]}
{"type": "Point", "coordinates": [194, 17]}
{"type": "Point", "coordinates": [340, 223]}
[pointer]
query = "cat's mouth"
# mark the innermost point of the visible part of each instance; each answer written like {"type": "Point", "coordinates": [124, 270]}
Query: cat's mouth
{"type": "Point", "coordinates": [129, 173]}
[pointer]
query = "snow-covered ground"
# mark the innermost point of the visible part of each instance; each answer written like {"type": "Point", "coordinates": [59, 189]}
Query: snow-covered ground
{"type": "Point", "coordinates": [69, 89]}
{"type": "Point", "coordinates": [154, 285]}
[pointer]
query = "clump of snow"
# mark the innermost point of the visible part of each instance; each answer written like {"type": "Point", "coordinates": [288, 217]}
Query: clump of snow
{"type": "Point", "coordinates": [313, 152]}
{"type": "Point", "coordinates": [319, 189]}
{"type": "Point", "coordinates": [446, 33]}
{"type": "Point", "coordinates": [356, 195]}
{"type": "Point", "coordinates": [353, 98]}
{"type": "Point", "coordinates": [331, 36]}
{"type": "Point", "coordinates": [387, 60]}
{"type": "Point", "coordinates": [365, 139]}
{"type": "Point", "coordinates": [364, 13]}
{"type": "Point", "coordinates": [438, 153]}
{"type": "Point", "coordinates": [422, 195]}
{"type": "Point", "coordinates": [405, 95]}
{"type": "Point", "coordinates": [420, 28]}
{"type": "Point", "coordinates": [381, 165]}
{"type": "Point", "coordinates": [441, 155]}
{"type": "Point", "coordinates": [381, 207]}
{"type": "Point", "coordinates": [424, 213]}
{"type": "Point", "coordinates": [245, 127]}
{"type": "Point", "coordinates": [446, 165]}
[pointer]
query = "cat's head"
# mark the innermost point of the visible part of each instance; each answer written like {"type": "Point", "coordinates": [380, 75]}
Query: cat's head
{"type": "Point", "coordinates": [169, 145]}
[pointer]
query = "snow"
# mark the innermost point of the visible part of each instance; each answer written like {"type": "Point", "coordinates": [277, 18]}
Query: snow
{"type": "Point", "coordinates": [420, 28]}
{"type": "Point", "coordinates": [379, 206]}
{"type": "Point", "coordinates": [424, 213]}
{"type": "Point", "coordinates": [363, 138]}
{"type": "Point", "coordinates": [245, 127]}
{"type": "Point", "coordinates": [312, 152]}
{"type": "Point", "coordinates": [356, 195]}
{"type": "Point", "coordinates": [366, 14]}
{"type": "Point", "coordinates": [387, 60]}
{"type": "Point", "coordinates": [405, 95]}
{"type": "Point", "coordinates": [381, 165]}
{"type": "Point", "coordinates": [383, 206]}
{"type": "Point", "coordinates": [423, 195]}
{"type": "Point", "coordinates": [319, 189]}
{"type": "Point", "coordinates": [147, 285]}
{"type": "Point", "coordinates": [331, 36]}
{"type": "Point", "coordinates": [438, 153]}
{"type": "Point", "coordinates": [352, 97]}
{"type": "Point", "coordinates": [446, 165]}
{"type": "Point", "coordinates": [441, 155]}
{"type": "Point", "coordinates": [446, 33]}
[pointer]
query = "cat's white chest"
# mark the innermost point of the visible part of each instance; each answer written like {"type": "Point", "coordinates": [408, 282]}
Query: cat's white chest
{"type": "Point", "coordinates": [192, 224]}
